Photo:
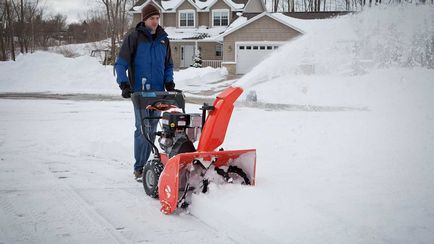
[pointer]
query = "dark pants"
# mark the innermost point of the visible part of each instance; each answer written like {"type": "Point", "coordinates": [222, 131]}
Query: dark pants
{"type": "Point", "coordinates": [142, 148]}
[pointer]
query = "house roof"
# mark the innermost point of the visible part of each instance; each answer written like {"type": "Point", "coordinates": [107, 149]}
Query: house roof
{"type": "Point", "coordinates": [276, 16]}
{"type": "Point", "coordinates": [230, 3]}
{"type": "Point", "coordinates": [172, 5]}
{"type": "Point", "coordinates": [217, 33]}
{"type": "Point", "coordinates": [137, 8]}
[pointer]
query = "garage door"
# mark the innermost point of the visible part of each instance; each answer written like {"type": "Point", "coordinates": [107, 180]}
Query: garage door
{"type": "Point", "coordinates": [249, 55]}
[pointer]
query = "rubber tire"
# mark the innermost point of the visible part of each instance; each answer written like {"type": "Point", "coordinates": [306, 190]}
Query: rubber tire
{"type": "Point", "coordinates": [151, 176]}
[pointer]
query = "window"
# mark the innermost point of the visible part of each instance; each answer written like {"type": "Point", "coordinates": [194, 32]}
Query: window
{"type": "Point", "coordinates": [255, 47]}
{"type": "Point", "coordinates": [241, 47]}
{"type": "Point", "coordinates": [249, 47]}
{"type": "Point", "coordinates": [220, 17]}
{"type": "Point", "coordinates": [269, 47]}
{"type": "Point", "coordinates": [262, 48]}
{"type": "Point", "coordinates": [186, 19]}
{"type": "Point", "coordinates": [218, 50]}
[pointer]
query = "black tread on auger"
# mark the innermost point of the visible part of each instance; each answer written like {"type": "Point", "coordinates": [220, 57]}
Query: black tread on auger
{"type": "Point", "coordinates": [151, 176]}
{"type": "Point", "coordinates": [235, 170]}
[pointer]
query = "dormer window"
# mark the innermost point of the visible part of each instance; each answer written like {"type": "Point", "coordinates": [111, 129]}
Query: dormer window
{"type": "Point", "coordinates": [220, 17]}
{"type": "Point", "coordinates": [186, 18]}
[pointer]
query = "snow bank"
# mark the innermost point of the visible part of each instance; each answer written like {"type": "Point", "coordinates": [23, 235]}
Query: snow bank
{"type": "Point", "coordinates": [200, 80]}
{"type": "Point", "coordinates": [51, 72]}
{"type": "Point", "coordinates": [54, 73]}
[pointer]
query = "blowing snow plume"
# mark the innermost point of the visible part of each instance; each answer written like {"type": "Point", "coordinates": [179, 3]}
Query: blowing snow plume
{"type": "Point", "coordinates": [381, 37]}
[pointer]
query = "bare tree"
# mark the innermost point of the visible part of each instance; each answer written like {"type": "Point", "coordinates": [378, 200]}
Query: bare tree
{"type": "Point", "coordinates": [2, 36]}
{"type": "Point", "coordinates": [11, 29]}
{"type": "Point", "coordinates": [116, 14]}
{"type": "Point", "coordinates": [19, 10]}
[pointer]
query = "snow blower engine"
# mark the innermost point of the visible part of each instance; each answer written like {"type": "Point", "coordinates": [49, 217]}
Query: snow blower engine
{"type": "Point", "coordinates": [182, 169]}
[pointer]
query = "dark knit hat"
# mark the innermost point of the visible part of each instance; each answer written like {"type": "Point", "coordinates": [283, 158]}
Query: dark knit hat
{"type": "Point", "coordinates": [148, 11]}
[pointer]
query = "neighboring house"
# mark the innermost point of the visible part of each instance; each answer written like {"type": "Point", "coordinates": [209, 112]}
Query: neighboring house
{"type": "Point", "coordinates": [236, 34]}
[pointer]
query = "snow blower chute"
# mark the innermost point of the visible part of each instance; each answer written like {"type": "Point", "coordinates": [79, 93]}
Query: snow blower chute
{"type": "Point", "coordinates": [182, 169]}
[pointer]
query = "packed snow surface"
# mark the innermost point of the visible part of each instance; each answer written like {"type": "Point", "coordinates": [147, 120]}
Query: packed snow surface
{"type": "Point", "coordinates": [344, 140]}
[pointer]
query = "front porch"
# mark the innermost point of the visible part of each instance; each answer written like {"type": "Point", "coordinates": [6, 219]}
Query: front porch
{"type": "Point", "coordinates": [184, 51]}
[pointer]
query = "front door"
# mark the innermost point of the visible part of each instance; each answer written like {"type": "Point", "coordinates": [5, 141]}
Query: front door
{"type": "Point", "coordinates": [187, 55]}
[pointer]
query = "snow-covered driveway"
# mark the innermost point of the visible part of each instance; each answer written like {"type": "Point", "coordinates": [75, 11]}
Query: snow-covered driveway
{"type": "Point", "coordinates": [322, 176]}
{"type": "Point", "coordinates": [65, 177]}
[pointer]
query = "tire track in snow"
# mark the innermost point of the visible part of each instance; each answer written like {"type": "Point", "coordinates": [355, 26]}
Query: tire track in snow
{"type": "Point", "coordinates": [88, 216]}
{"type": "Point", "coordinates": [58, 210]}
{"type": "Point", "coordinates": [10, 212]}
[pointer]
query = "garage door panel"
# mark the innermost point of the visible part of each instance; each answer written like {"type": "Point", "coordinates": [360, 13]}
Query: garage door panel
{"type": "Point", "coordinates": [249, 55]}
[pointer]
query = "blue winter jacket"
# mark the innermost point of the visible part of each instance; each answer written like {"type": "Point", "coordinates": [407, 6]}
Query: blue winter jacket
{"type": "Point", "coordinates": [146, 60]}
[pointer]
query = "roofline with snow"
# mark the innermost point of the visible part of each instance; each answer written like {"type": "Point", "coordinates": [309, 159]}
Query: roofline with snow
{"type": "Point", "coordinates": [225, 1]}
{"type": "Point", "coordinates": [198, 9]}
{"type": "Point", "coordinates": [181, 2]}
{"type": "Point", "coordinates": [143, 5]}
{"type": "Point", "coordinates": [258, 17]}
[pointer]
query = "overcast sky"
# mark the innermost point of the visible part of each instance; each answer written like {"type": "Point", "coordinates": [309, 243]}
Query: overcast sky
{"type": "Point", "coordinates": [73, 9]}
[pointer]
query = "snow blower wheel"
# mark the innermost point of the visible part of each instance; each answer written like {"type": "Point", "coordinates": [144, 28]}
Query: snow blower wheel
{"type": "Point", "coordinates": [151, 176]}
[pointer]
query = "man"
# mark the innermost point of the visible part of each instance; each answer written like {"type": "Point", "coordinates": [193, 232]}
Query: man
{"type": "Point", "coordinates": [145, 53]}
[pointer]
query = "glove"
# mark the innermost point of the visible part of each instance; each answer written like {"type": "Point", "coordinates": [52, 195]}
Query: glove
{"type": "Point", "coordinates": [170, 86]}
{"type": "Point", "coordinates": [126, 89]}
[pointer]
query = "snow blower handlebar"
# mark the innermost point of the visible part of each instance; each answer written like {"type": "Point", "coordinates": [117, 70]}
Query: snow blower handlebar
{"type": "Point", "coordinates": [159, 100]}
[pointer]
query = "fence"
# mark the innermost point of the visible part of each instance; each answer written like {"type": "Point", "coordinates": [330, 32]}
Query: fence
{"type": "Point", "coordinates": [212, 63]}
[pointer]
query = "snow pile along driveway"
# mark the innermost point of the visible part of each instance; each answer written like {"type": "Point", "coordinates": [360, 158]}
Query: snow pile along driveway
{"type": "Point", "coordinates": [53, 73]}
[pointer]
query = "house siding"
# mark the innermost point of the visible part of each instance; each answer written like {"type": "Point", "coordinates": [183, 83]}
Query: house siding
{"type": "Point", "coordinates": [169, 20]}
{"type": "Point", "coordinates": [186, 6]}
{"type": "Point", "coordinates": [263, 29]}
{"type": "Point", "coordinates": [204, 19]}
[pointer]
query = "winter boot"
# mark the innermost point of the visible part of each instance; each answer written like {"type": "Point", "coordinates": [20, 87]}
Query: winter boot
{"type": "Point", "coordinates": [138, 175]}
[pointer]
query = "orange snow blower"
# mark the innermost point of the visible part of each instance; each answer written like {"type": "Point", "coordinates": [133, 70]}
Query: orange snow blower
{"type": "Point", "coordinates": [182, 169]}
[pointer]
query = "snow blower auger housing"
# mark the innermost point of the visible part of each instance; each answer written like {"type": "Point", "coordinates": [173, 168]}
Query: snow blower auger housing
{"type": "Point", "coordinates": [173, 175]}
